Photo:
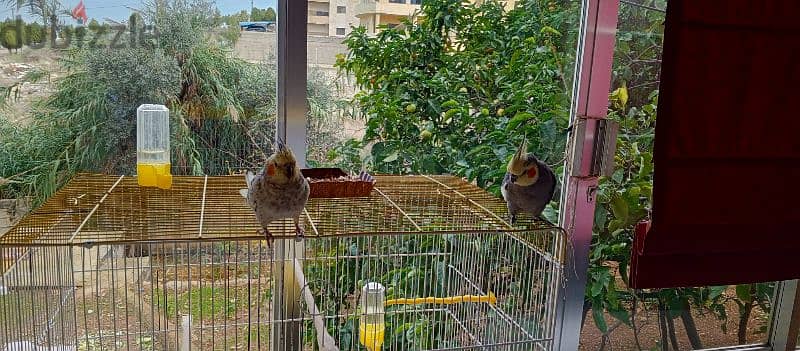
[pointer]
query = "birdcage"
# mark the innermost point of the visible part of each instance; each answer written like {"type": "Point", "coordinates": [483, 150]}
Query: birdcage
{"type": "Point", "coordinates": [107, 264]}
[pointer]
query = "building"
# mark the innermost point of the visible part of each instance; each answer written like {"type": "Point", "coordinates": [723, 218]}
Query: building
{"type": "Point", "coordinates": [333, 18]}
{"type": "Point", "coordinates": [373, 14]}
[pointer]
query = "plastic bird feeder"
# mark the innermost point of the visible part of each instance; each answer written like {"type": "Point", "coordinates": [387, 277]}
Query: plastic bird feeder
{"type": "Point", "coordinates": [152, 146]}
{"type": "Point", "coordinates": [372, 328]}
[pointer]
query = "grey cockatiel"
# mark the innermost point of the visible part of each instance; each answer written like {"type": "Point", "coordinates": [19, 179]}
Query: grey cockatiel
{"type": "Point", "coordinates": [278, 191]}
{"type": "Point", "coordinates": [529, 184]}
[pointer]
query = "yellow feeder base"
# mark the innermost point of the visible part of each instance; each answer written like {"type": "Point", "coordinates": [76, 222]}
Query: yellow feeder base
{"type": "Point", "coordinates": [154, 175]}
{"type": "Point", "coordinates": [371, 335]}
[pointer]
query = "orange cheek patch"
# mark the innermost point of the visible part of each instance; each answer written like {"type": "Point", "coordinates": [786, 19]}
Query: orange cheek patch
{"type": "Point", "coordinates": [531, 172]}
{"type": "Point", "coordinates": [271, 170]}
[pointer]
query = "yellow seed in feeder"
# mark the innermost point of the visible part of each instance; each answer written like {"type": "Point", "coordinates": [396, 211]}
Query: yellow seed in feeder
{"type": "Point", "coordinates": [154, 175]}
{"type": "Point", "coordinates": [371, 335]}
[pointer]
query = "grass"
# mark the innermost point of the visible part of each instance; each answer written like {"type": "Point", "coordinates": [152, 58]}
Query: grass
{"type": "Point", "coordinates": [204, 302]}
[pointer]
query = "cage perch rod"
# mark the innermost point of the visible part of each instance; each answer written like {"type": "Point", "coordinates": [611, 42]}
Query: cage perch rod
{"type": "Point", "coordinates": [452, 300]}
{"type": "Point", "coordinates": [398, 208]}
{"type": "Point", "coordinates": [203, 207]}
{"type": "Point", "coordinates": [91, 213]}
{"type": "Point", "coordinates": [499, 312]}
{"type": "Point", "coordinates": [325, 341]}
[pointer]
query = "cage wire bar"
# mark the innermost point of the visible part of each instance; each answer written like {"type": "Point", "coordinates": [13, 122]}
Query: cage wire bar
{"type": "Point", "coordinates": [106, 264]}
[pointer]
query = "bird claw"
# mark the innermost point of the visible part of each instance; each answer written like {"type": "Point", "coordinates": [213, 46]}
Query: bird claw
{"type": "Point", "coordinates": [299, 232]}
{"type": "Point", "coordinates": [268, 237]}
{"type": "Point", "coordinates": [513, 219]}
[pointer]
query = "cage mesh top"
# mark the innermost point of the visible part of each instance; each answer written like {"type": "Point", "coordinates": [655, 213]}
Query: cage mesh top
{"type": "Point", "coordinates": [99, 209]}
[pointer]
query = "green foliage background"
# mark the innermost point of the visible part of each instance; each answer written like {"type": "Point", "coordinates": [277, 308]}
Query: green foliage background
{"type": "Point", "coordinates": [453, 92]}
{"type": "Point", "coordinates": [222, 108]}
{"type": "Point", "coordinates": [457, 92]}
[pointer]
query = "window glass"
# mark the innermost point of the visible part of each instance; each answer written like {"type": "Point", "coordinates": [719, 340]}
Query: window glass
{"type": "Point", "coordinates": [341, 9]}
{"type": "Point", "coordinates": [340, 31]}
{"type": "Point", "coordinates": [405, 94]}
{"type": "Point", "coordinates": [221, 109]}
{"type": "Point", "coordinates": [616, 317]}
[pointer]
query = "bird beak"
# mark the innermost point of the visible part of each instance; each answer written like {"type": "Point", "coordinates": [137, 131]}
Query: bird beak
{"type": "Point", "coordinates": [513, 178]}
{"type": "Point", "coordinates": [289, 170]}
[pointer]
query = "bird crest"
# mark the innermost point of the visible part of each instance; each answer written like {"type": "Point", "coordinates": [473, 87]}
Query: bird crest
{"type": "Point", "coordinates": [518, 162]}
{"type": "Point", "coordinates": [283, 153]}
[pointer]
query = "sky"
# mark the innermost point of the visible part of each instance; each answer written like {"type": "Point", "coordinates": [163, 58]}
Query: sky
{"type": "Point", "coordinates": [116, 9]}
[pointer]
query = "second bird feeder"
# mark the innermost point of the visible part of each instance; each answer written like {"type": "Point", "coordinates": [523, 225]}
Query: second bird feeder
{"type": "Point", "coordinates": [152, 146]}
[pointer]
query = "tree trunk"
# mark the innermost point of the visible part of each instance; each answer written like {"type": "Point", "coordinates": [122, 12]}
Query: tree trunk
{"type": "Point", "coordinates": [587, 305]}
{"type": "Point", "coordinates": [691, 327]}
{"type": "Point", "coordinates": [662, 326]}
{"type": "Point", "coordinates": [633, 323]}
{"type": "Point", "coordinates": [673, 337]}
{"type": "Point", "coordinates": [744, 318]}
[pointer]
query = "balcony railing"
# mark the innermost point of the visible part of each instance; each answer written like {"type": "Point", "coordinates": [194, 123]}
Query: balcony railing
{"type": "Point", "coordinates": [387, 7]}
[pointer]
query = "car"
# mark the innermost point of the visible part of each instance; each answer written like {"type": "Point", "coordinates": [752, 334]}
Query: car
{"type": "Point", "coordinates": [255, 28]}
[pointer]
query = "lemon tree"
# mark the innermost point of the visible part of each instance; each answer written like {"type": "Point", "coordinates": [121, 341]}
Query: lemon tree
{"type": "Point", "coordinates": [455, 90]}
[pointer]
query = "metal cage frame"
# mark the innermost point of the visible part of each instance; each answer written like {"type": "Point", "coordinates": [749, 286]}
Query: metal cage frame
{"type": "Point", "coordinates": [108, 264]}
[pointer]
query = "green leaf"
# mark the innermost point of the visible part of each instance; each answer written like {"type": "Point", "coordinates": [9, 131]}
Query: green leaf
{"type": "Point", "coordinates": [599, 319]}
{"type": "Point", "coordinates": [621, 314]}
{"type": "Point", "coordinates": [600, 217]}
{"type": "Point", "coordinates": [449, 104]}
{"type": "Point", "coordinates": [619, 207]}
{"type": "Point", "coordinates": [617, 176]}
{"type": "Point", "coordinates": [518, 119]}
{"type": "Point", "coordinates": [743, 292]}
{"type": "Point", "coordinates": [391, 158]}
{"type": "Point", "coordinates": [716, 291]}
{"type": "Point", "coordinates": [478, 150]}
{"type": "Point", "coordinates": [600, 280]}
{"type": "Point", "coordinates": [614, 225]}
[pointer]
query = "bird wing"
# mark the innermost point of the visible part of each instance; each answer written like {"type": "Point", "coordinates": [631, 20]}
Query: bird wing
{"type": "Point", "coordinates": [249, 179]}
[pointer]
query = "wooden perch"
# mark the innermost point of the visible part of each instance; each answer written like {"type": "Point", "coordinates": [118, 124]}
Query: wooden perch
{"type": "Point", "coordinates": [325, 341]}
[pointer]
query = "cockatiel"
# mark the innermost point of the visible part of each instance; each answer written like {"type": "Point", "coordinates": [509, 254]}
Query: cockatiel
{"type": "Point", "coordinates": [278, 191]}
{"type": "Point", "coordinates": [529, 184]}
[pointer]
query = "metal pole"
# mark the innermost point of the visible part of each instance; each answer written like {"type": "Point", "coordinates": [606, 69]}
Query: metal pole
{"type": "Point", "coordinates": [785, 316]}
{"type": "Point", "coordinates": [589, 105]}
{"type": "Point", "coordinates": [291, 128]}
{"type": "Point", "coordinates": [292, 76]}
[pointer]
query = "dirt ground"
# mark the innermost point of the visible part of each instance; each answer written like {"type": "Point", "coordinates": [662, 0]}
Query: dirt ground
{"type": "Point", "coordinates": [708, 326]}
{"type": "Point", "coordinates": [14, 66]}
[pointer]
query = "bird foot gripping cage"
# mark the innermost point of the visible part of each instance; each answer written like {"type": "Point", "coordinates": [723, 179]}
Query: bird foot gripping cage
{"type": "Point", "coordinates": [106, 264]}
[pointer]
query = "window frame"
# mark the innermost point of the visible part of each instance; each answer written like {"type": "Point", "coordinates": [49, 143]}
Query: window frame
{"type": "Point", "coordinates": [341, 9]}
{"type": "Point", "coordinates": [591, 85]}
{"type": "Point", "coordinates": [589, 101]}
